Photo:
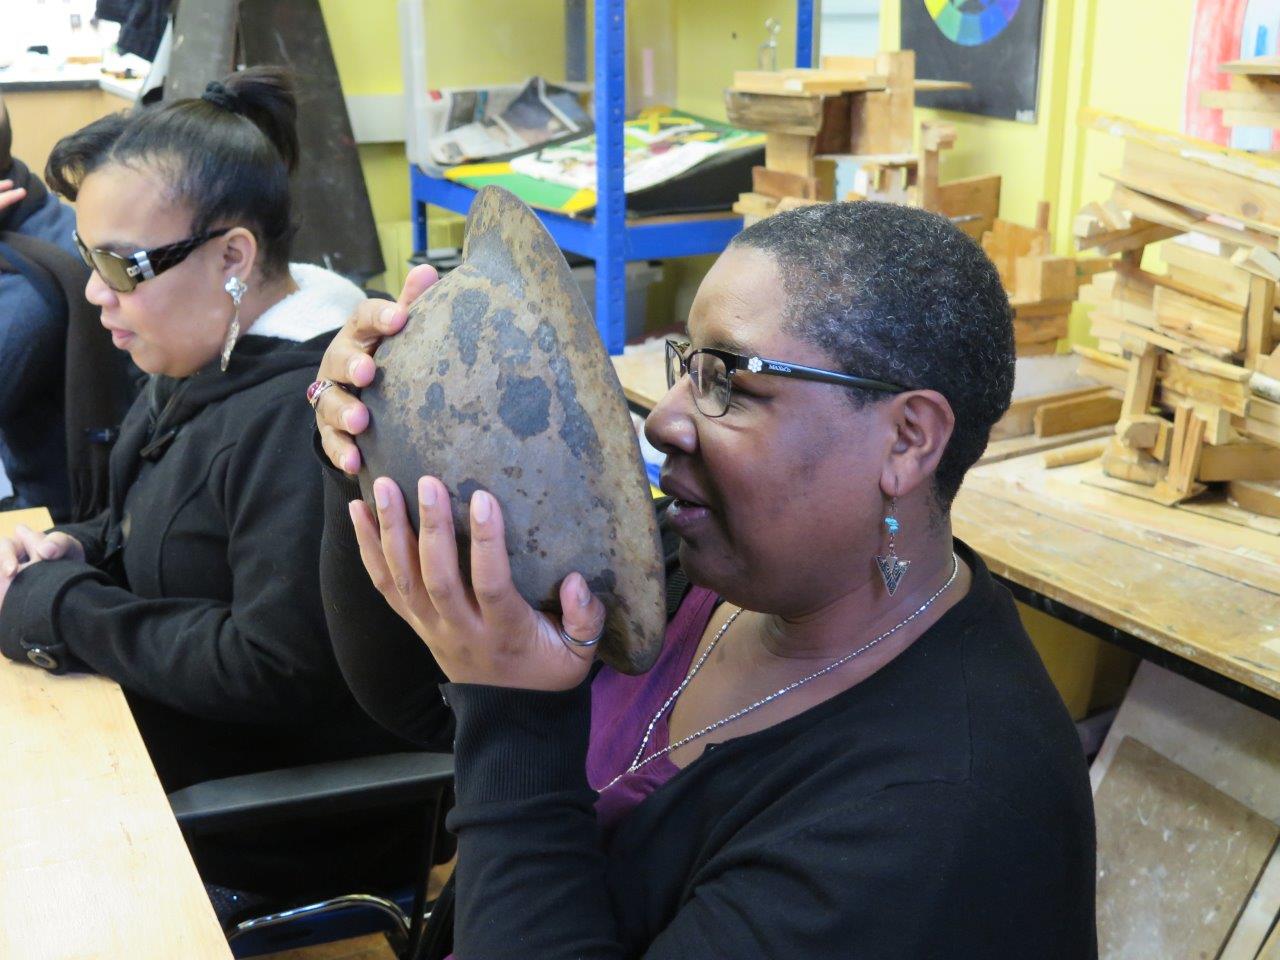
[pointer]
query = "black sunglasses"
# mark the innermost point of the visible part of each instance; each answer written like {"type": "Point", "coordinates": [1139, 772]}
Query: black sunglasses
{"type": "Point", "coordinates": [712, 371]}
{"type": "Point", "coordinates": [122, 273]}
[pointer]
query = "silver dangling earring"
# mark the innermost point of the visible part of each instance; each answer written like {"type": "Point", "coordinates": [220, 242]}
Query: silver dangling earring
{"type": "Point", "coordinates": [892, 567]}
{"type": "Point", "coordinates": [236, 287]}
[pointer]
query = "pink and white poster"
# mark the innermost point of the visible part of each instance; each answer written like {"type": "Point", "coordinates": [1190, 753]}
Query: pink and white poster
{"type": "Point", "coordinates": [1228, 30]}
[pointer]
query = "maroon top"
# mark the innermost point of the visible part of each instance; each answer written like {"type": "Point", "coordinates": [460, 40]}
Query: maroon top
{"type": "Point", "coordinates": [622, 706]}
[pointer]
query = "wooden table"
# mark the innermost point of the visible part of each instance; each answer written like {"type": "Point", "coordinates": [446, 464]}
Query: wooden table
{"type": "Point", "coordinates": [1192, 589]}
{"type": "Point", "coordinates": [92, 863]}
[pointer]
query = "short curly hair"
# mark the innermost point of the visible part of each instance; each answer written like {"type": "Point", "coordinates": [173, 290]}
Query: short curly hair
{"type": "Point", "coordinates": [899, 294]}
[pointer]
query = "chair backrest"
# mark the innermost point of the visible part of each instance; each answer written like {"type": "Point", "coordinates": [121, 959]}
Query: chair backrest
{"type": "Point", "coordinates": [101, 381]}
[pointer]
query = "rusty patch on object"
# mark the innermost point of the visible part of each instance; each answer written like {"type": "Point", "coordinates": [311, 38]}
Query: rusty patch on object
{"type": "Point", "coordinates": [499, 382]}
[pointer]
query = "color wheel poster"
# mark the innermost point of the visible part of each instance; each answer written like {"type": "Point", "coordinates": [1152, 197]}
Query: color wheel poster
{"type": "Point", "coordinates": [994, 45]}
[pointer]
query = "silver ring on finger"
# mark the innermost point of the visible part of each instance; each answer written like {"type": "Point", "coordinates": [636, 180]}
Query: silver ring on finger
{"type": "Point", "coordinates": [580, 644]}
{"type": "Point", "coordinates": [316, 391]}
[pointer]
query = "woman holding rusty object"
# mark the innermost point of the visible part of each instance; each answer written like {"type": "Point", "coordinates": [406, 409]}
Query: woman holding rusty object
{"type": "Point", "coordinates": [848, 747]}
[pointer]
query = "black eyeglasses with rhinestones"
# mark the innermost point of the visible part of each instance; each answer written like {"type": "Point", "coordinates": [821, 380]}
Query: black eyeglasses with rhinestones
{"type": "Point", "coordinates": [711, 371]}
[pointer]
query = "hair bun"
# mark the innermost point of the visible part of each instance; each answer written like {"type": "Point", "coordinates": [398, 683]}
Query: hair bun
{"type": "Point", "coordinates": [264, 95]}
{"type": "Point", "coordinates": [220, 96]}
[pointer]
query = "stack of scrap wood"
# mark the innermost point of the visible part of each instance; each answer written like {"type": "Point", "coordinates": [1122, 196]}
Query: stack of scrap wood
{"type": "Point", "coordinates": [1253, 97]}
{"type": "Point", "coordinates": [1042, 287]}
{"type": "Point", "coordinates": [1194, 347]}
{"type": "Point", "coordinates": [851, 109]}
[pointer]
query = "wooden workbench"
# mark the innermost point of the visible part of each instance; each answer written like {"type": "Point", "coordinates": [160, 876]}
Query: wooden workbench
{"type": "Point", "coordinates": [92, 863]}
{"type": "Point", "coordinates": [1198, 584]}
{"type": "Point", "coordinates": [1195, 589]}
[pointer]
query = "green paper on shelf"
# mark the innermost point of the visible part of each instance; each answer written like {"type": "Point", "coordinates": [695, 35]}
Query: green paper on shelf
{"type": "Point", "coordinates": [660, 145]}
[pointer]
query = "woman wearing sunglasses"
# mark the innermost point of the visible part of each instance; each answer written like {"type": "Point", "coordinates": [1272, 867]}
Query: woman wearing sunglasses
{"type": "Point", "coordinates": [197, 590]}
{"type": "Point", "coordinates": [848, 746]}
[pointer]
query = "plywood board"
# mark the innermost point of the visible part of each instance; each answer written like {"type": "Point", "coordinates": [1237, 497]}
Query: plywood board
{"type": "Point", "coordinates": [1239, 163]}
{"type": "Point", "coordinates": [1177, 859]}
{"type": "Point", "coordinates": [1234, 748]}
{"type": "Point", "coordinates": [1185, 182]}
{"type": "Point", "coordinates": [1183, 219]}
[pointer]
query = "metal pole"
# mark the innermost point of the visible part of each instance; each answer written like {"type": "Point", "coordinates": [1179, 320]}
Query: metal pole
{"type": "Point", "coordinates": [611, 200]}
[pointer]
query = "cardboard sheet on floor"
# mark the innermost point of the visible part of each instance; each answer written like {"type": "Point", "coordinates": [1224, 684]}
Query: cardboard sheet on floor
{"type": "Point", "coordinates": [1177, 859]}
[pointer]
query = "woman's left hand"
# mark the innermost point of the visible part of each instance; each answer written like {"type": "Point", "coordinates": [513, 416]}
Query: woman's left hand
{"type": "Point", "coordinates": [487, 633]}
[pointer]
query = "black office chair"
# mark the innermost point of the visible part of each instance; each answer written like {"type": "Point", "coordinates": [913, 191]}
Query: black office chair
{"type": "Point", "coordinates": [358, 785]}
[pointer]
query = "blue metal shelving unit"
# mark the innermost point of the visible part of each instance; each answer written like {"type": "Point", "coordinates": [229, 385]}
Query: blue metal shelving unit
{"type": "Point", "coordinates": [608, 238]}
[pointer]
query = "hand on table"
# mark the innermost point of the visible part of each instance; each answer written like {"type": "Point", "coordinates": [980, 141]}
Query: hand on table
{"type": "Point", "coordinates": [9, 196]}
{"type": "Point", "coordinates": [486, 633]}
{"type": "Point", "coordinates": [348, 362]}
{"type": "Point", "coordinates": [29, 546]}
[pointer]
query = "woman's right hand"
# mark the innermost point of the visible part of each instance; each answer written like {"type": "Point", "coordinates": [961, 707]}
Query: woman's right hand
{"type": "Point", "coordinates": [348, 362]}
{"type": "Point", "coordinates": [29, 546]}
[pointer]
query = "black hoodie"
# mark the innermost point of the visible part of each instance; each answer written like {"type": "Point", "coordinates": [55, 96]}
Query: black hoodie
{"type": "Point", "coordinates": [199, 593]}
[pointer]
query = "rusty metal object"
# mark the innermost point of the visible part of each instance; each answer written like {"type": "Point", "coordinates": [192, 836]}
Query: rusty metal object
{"type": "Point", "coordinates": [499, 382]}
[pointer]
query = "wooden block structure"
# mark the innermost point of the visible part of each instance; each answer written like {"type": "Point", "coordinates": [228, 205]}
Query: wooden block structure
{"type": "Point", "coordinates": [1042, 287]}
{"type": "Point", "coordinates": [1196, 341]}
{"type": "Point", "coordinates": [857, 107]}
{"type": "Point", "coordinates": [1252, 98]}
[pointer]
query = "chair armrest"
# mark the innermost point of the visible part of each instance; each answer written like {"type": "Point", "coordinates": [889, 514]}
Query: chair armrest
{"type": "Point", "coordinates": [313, 790]}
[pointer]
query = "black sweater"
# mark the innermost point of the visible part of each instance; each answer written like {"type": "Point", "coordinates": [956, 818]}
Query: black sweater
{"type": "Point", "coordinates": [199, 593]}
{"type": "Point", "coordinates": [940, 808]}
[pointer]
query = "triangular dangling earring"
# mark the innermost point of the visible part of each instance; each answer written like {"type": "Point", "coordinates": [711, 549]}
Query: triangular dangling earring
{"type": "Point", "coordinates": [892, 567]}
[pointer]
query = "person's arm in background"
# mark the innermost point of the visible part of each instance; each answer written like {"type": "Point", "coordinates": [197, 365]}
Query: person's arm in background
{"type": "Point", "coordinates": [29, 336]}
{"type": "Point", "coordinates": [263, 657]}
{"type": "Point", "coordinates": [391, 673]}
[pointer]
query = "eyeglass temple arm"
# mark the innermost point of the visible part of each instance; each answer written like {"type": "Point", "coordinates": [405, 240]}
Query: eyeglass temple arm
{"type": "Point", "coordinates": [800, 372]}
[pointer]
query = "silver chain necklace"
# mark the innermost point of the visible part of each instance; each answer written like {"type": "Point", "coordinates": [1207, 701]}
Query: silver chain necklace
{"type": "Point", "coordinates": [637, 763]}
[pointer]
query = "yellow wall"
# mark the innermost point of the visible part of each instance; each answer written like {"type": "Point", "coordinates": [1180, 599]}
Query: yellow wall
{"type": "Point", "coordinates": [1125, 57]}
{"type": "Point", "coordinates": [1028, 156]}
{"type": "Point", "coordinates": [468, 42]}
{"type": "Point", "coordinates": [715, 38]}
